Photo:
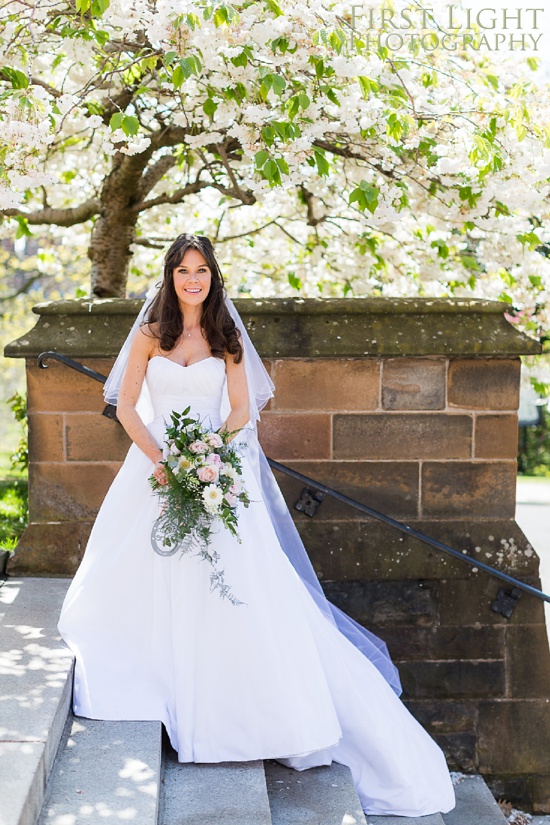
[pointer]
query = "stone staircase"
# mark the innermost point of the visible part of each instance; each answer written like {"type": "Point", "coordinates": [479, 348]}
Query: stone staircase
{"type": "Point", "coordinates": [57, 769]}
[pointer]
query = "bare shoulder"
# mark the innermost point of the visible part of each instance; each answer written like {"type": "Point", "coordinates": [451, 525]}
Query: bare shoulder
{"type": "Point", "coordinates": [149, 330]}
{"type": "Point", "coordinates": [144, 341]}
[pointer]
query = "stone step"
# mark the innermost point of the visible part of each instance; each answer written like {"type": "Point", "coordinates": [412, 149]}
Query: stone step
{"type": "Point", "coordinates": [107, 771]}
{"type": "Point", "coordinates": [35, 685]}
{"type": "Point", "coordinates": [318, 796]}
{"type": "Point", "coordinates": [224, 793]}
{"type": "Point", "coordinates": [475, 804]}
{"type": "Point", "coordinates": [432, 819]}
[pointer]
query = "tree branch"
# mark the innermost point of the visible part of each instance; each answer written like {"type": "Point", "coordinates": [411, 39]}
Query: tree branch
{"type": "Point", "coordinates": [309, 199]}
{"type": "Point", "coordinates": [155, 173]}
{"type": "Point", "coordinates": [23, 288]}
{"type": "Point", "coordinates": [175, 197]}
{"type": "Point", "coordinates": [69, 216]}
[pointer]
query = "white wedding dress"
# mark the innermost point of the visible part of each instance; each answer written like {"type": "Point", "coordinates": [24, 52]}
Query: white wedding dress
{"type": "Point", "coordinates": [271, 678]}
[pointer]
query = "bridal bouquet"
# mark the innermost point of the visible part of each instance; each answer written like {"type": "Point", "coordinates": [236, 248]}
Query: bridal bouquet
{"type": "Point", "coordinates": [203, 485]}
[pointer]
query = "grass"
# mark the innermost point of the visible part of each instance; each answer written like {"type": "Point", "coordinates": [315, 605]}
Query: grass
{"type": "Point", "coordinates": [14, 513]}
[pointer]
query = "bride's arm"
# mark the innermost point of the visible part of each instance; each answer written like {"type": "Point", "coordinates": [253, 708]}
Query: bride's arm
{"type": "Point", "coordinates": [237, 390]}
{"type": "Point", "coordinates": [130, 387]}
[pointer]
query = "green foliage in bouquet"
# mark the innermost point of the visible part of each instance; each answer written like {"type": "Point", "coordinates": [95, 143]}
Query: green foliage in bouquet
{"type": "Point", "coordinates": [203, 485]}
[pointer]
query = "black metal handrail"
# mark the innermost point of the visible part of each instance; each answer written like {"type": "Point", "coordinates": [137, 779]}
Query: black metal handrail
{"type": "Point", "coordinates": [504, 603]}
{"type": "Point", "coordinates": [404, 528]}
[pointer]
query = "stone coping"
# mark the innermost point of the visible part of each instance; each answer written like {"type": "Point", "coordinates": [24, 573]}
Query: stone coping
{"type": "Point", "coordinates": [299, 327]}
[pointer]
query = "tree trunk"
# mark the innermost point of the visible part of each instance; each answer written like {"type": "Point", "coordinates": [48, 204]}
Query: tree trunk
{"type": "Point", "coordinates": [109, 251]}
{"type": "Point", "coordinates": [114, 229]}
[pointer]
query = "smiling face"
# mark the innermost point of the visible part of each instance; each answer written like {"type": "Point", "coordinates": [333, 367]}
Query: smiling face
{"type": "Point", "coordinates": [192, 278]}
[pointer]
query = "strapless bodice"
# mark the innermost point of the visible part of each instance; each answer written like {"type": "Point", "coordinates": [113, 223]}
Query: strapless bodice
{"type": "Point", "coordinates": [174, 387]}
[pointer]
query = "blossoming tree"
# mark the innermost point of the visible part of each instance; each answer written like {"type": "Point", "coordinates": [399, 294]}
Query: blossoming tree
{"type": "Point", "coordinates": [354, 169]}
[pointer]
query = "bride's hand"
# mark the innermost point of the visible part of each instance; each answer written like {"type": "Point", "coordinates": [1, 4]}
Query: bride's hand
{"type": "Point", "coordinates": [160, 473]}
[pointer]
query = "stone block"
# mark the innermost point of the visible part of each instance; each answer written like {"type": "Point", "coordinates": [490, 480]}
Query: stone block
{"type": "Point", "coordinates": [513, 736]}
{"type": "Point", "coordinates": [36, 685]}
{"type": "Point", "coordinates": [541, 794]}
{"type": "Point", "coordinates": [93, 437]}
{"type": "Point", "coordinates": [324, 795]}
{"type": "Point", "coordinates": [377, 604]}
{"type": "Point", "coordinates": [59, 388]}
{"type": "Point", "coordinates": [344, 550]}
{"type": "Point", "coordinates": [452, 679]}
{"type": "Point", "coordinates": [413, 384]}
{"type": "Point", "coordinates": [388, 487]}
{"type": "Point", "coordinates": [468, 601]}
{"type": "Point", "coordinates": [460, 750]}
{"type": "Point", "coordinates": [326, 384]}
{"type": "Point", "coordinates": [224, 793]}
{"type": "Point", "coordinates": [402, 436]}
{"type": "Point", "coordinates": [444, 715]}
{"type": "Point", "coordinates": [108, 770]}
{"type": "Point", "coordinates": [528, 661]}
{"type": "Point", "coordinates": [286, 436]}
{"type": "Point", "coordinates": [50, 549]}
{"type": "Point", "coordinates": [446, 642]}
{"type": "Point", "coordinates": [46, 436]}
{"type": "Point", "coordinates": [496, 436]}
{"type": "Point", "coordinates": [356, 549]}
{"type": "Point", "coordinates": [475, 804]}
{"type": "Point", "coordinates": [68, 492]}
{"type": "Point", "coordinates": [478, 489]}
{"type": "Point", "coordinates": [484, 383]}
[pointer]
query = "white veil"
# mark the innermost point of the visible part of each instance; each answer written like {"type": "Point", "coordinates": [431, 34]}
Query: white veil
{"type": "Point", "coordinates": [261, 389]}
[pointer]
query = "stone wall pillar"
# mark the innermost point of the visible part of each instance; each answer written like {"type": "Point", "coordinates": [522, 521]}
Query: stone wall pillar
{"type": "Point", "coordinates": [408, 405]}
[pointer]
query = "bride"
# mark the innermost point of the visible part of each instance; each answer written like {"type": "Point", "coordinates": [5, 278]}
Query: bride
{"type": "Point", "coordinates": [283, 674]}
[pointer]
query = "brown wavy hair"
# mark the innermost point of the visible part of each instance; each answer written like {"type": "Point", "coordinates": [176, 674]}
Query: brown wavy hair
{"type": "Point", "coordinates": [219, 327]}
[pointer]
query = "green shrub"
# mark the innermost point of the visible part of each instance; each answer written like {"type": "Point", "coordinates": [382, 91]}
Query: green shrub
{"type": "Point", "coordinates": [14, 511]}
{"type": "Point", "coordinates": [18, 405]}
{"type": "Point", "coordinates": [534, 447]}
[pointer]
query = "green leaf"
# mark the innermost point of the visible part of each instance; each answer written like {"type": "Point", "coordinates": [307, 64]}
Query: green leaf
{"type": "Point", "coordinates": [99, 7]}
{"type": "Point", "coordinates": [321, 161]}
{"type": "Point", "coordinates": [209, 106]}
{"type": "Point", "coordinates": [178, 76]}
{"type": "Point", "coordinates": [271, 172]}
{"type": "Point", "coordinates": [268, 134]}
{"type": "Point", "coordinates": [260, 158]}
{"type": "Point", "coordinates": [282, 164]}
{"type": "Point", "coordinates": [18, 79]}
{"type": "Point", "coordinates": [279, 84]}
{"type": "Point", "coordinates": [274, 7]}
{"type": "Point", "coordinates": [130, 125]}
{"type": "Point", "coordinates": [23, 228]}
{"type": "Point", "coordinates": [530, 239]}
{"type": "Point", "coordinates": [240, 59]}
{"type": "Point", "coordinates": [116, 120]}
{"type": "Point", "coordinates": [368, 86]}
{"type": "Point", "coordinates": [366, 197]}
{"type": "Point", "coordinates": [293, 106]}
{"type": "Point", "coordinates": [294, 281]}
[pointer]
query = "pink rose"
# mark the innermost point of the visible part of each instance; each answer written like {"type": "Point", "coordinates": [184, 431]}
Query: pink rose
{"type": "Point", "coordinates": [231, 499]}
{"type": "Point", "coordinates": [214, 440]}
{"type": "Point", "coordinates": [198, 447]}
{"type": "Point", "coordinates": [208, 473]}
{"type": "Point", "coordinates": [235, 488]}
{"type": "Point", "coordinates": [213, 458]}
